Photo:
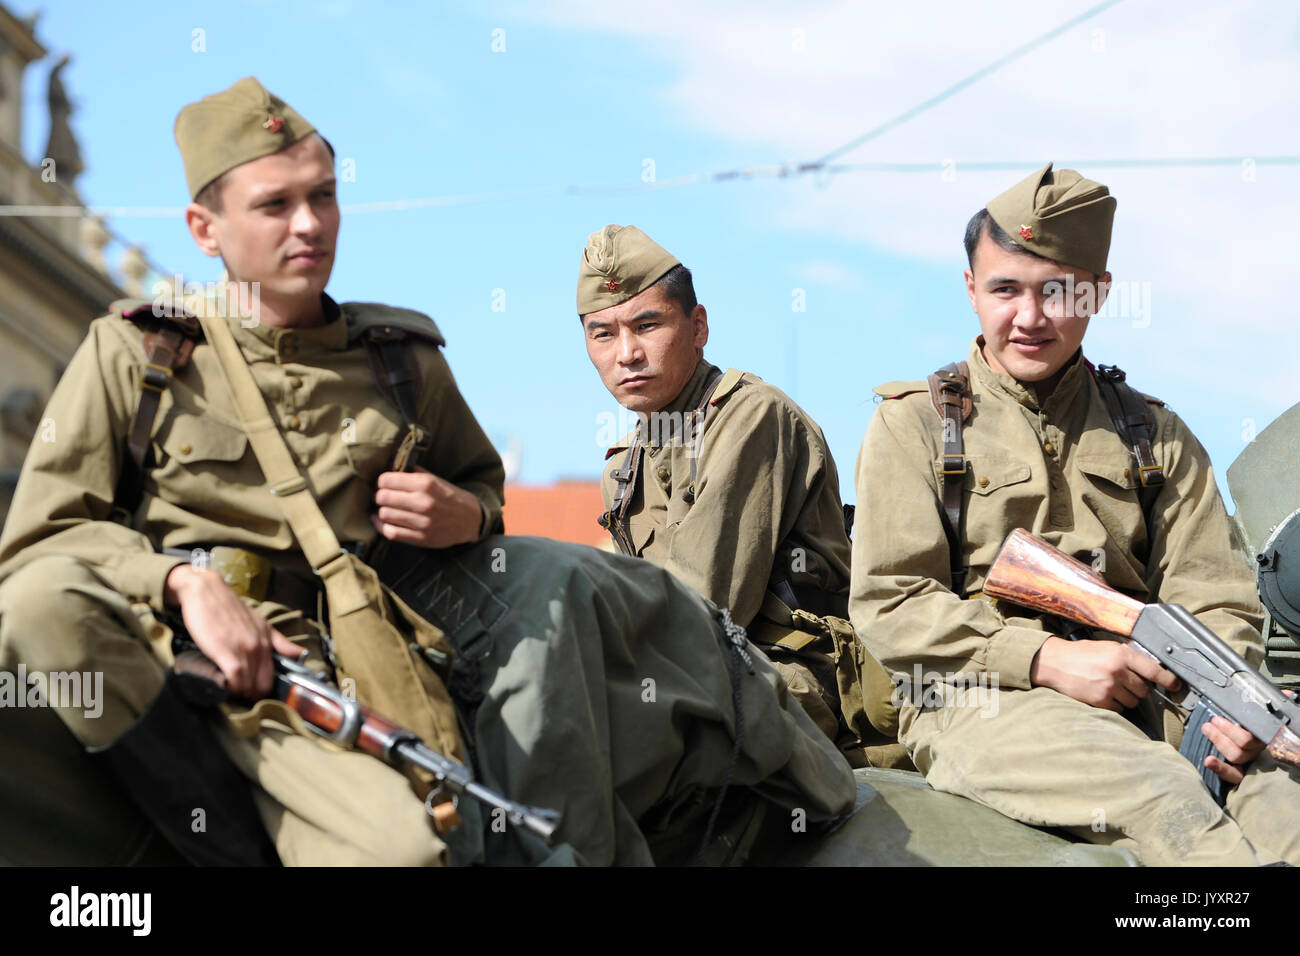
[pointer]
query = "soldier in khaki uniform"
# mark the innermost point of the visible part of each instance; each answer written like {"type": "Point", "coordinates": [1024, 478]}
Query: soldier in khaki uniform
{"type": "Point", "coordinates": [995, 706]}
{"type": "Point", "coordinates": [728, 484]}
{"type": "Point", "coordinates": [264, 187]}
{"type": "Point", "coordinates": [100, 552]}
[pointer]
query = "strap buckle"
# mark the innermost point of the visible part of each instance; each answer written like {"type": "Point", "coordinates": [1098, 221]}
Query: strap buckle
{"type": "Point", "coordinates": [954, 464]}
{"type": "Point", "coordinates": [1151, 475]}
{"type": "Point", "coordinates": [156, 377]}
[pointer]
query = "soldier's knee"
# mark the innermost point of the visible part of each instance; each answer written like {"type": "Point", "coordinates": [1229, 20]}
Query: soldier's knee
{"type": "Point", "coordinates": [42, 596]}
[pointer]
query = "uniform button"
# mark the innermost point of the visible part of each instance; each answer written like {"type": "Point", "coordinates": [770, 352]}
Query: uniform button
{"type": "Point", "coordinates": [664, 473]}
{"type": "Point", "coordinates": [295, 382]}
{"type": "Point", "coordinates": [1050, 448]}
{"type": "Point", "coordinates": [1025, 400]}
{"type": "Point", "coordinates": [186, 448]}
{"type": "Point", "coordinates": [1126, 473]}
{"type": "Point", "coordinates": [294, 422]}
{"type": "Point", "coordinates": [984, 482]}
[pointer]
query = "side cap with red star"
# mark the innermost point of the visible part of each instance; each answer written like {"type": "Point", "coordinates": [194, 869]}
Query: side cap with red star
{"type": "Point", "coordinates": [618, 263]}
{"type": "Point", "coordinates": [1059, 215]}
{"type": "Point", "coordinates": [233, 127]}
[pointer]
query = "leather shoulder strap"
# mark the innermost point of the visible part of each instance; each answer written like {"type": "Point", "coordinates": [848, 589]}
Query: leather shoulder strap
{"type": "Point", "coordinates": [615, 519]}
{"type": "Point", "coordinates": [951, 396]}
{"type": "Point", "coordinates": [168, 343]}
{"type": "Point", "coordinates": [1134, 421]}
{"type": "Point", "coordinates": [397, 376]}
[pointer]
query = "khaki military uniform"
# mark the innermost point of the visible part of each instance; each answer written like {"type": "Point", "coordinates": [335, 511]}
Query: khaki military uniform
{"type": "Point", "coordinates": [575, 697]}
{"type": "Point", "coordinates": [78, 589]}
{"type": "Point", "coordinates": [760, 506]}
{"type": "Point", "coordinates": [1059, 470]}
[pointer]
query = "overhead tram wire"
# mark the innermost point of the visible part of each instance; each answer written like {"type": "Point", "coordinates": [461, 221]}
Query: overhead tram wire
{"type": "Point", "coordinates": [824, 165]}
{"type": "Point", "coordinates": [961, 84]}
{"type": "Point", "coordinates": [778, 171]}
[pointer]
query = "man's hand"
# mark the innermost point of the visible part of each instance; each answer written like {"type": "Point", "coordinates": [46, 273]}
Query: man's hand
{"type": "Point", "coordinates": [1101, 673]}
{"type": "Point", "coordinates": [234, 636]}
{"type": "Point", "coordinates": [1237, 744]}
{"type": "Point", "coordinates": [420, 508]}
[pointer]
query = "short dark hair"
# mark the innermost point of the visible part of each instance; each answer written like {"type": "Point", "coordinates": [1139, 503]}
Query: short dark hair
{"type": "Point", "coordinates": [677, 285]}
{"type": "Point", "coordinates": [982, 224]}
{"type": "Point", "coordinates": [210, 195]}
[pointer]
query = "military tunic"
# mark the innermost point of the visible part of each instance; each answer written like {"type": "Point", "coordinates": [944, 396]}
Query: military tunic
{"type": "Point", "coordinates": [1058, 469]}
{"type": "Point", "coordinates": [766, 496]}
{"type": "Point", "coordinates": [552, 661]}
{"type": "Point", "coordinates": [764, 507]}
{"type": "Point", "coordinates": [206, 486]}
{"type": "Point", "coordinates": [78, 589]}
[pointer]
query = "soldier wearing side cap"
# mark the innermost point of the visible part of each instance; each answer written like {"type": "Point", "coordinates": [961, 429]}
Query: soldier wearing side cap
{"type": "Point", "coordinates": [225, 466]}
{"type": "Point", "coordinates": [730, 485]}
{"type": "Point", "coordinates": [998, 705]}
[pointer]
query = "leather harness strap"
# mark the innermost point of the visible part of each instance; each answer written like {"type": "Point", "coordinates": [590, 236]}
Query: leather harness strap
{"type": "Point", "coordinates": [615, 519]}
{"type": "Point", "coordinates": [951, 396]}
{"type": "Point", "coordinates": [169, 339]}
{"type": "Point", "coordinates": [1133, 420]}
{"type": "Point", "coordinates": [398, 378]}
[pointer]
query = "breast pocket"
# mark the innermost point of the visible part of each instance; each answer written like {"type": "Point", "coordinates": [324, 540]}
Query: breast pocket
{"type": "Point", "coordinates": [197, 442]}
{"type": "Point", "coordinates": [988, 477]}
{"type": "Point", "coordinates": [197, 457]}
{"type": "Point", "coordinates": [1111, 493]}
{"type": "Point", "coordinates": [998, 495]}
{"type": "Point", "coordinates": [370, 441]}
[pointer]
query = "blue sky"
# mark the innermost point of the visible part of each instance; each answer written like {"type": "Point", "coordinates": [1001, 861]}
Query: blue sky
{"type": "Point", "coordinates": [585, 94]}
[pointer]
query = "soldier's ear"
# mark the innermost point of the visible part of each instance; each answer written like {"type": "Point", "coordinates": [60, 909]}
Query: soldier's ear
{"type": "Point", "coordinates": [202, 225]}
{"type": "Point", "coordinates": [970, 288]}
{"type": "Point", "coordinates": [700, 326]}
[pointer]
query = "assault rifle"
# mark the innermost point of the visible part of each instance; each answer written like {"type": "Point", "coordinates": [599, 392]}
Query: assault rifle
{"type": "Point", "coordinates": [1032, 573]}
{"type": "Point", "coordinates": [339, 718]}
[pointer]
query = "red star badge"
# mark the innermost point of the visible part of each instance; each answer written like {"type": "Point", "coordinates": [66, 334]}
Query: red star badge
{"type": "Point", "coordinates": [274, 124]}
{"type": "Point", "coordinates": [611, 285]}
{"type": "Point", "coordinates": [1026, 232]}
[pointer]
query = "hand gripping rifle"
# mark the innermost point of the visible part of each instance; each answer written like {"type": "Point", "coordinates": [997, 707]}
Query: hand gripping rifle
{"type": "Point", "coordinates": [1217, 680]}
{"type": "Point", "coordinates": [336, 717]}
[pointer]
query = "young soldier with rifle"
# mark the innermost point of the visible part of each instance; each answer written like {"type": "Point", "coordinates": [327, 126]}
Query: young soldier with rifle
{"type": "Point", "coordinates": [1026, 433]}
{"type": "Point", "coordinates": [222, 473]}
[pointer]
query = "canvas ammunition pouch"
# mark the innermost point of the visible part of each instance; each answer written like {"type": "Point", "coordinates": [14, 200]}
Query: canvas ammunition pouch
{"type": "Point", "coordinates": [831, 673]}
{"type": "Point", "coordinates": [396, 660]}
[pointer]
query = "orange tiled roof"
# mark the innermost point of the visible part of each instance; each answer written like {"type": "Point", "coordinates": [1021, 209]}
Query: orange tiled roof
{"type": "Point", "coordinates": [565, 511]}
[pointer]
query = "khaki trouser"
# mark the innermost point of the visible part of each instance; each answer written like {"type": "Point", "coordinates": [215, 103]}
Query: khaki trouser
{"type": "Point", "coordinates": [598, 685]}
{"type": "Point", "coordinates": [1048, 760]}
{"type": "Point", "coordinates": [321, 805]}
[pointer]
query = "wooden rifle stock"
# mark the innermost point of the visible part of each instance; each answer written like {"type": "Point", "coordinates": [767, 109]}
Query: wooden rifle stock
{"type": "Point", "coordinates": [1033, 573]}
